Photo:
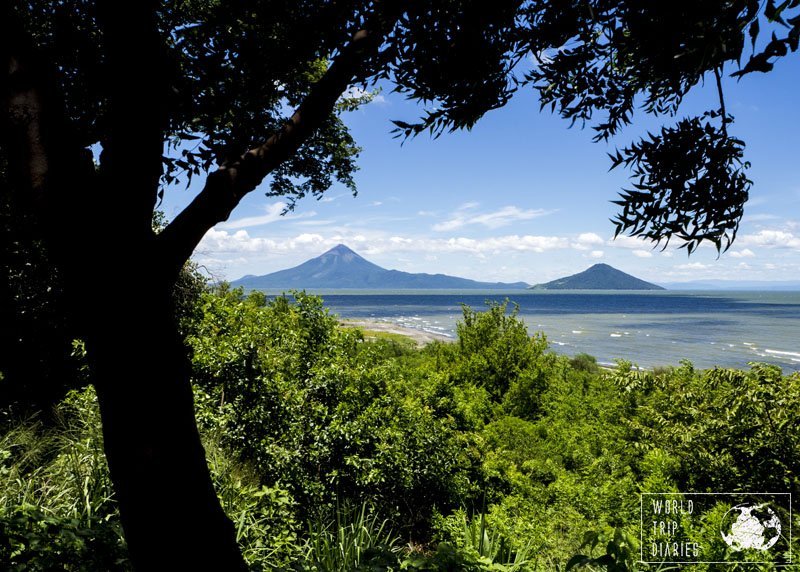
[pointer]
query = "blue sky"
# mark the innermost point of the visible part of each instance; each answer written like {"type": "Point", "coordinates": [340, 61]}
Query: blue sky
{"type": "Point", "coordinates": [521, 197]}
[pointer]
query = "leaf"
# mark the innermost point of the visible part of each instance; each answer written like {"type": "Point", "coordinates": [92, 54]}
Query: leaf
{"type": "Point", "coordinates": [590, 538]}
{"type": "Point", "coordinates": [578, 560]}
{"type": "Point", "coordinates": [753, 32]}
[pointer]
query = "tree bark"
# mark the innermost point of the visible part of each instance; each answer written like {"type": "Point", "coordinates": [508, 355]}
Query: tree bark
{"type": "Point", "coordinates": [119, 277]}
{"type": "Point", "coordinates": [169, 509]}
{"type": "Point", "coordinates": [121, 299]}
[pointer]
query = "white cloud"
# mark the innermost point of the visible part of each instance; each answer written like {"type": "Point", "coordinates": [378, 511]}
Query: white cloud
{"type": "Point", "coordinates": [642, 253]}
{"type": "Point", "coordinates": [770, 239]}
{"type": "Point", "coordinates": [587, 240]}
{"type": "Point", "coordinates": [597, 254]}
{"type": "Point", "coordinates": [630, 242]}
{"type": "Point", "coordinates": [274, 212]}
{"type": "Point", "coordinates": [221, 241]}
{"type": "Point", "coordinates": [329, 198]}
{"type": "Point", "coordinates": [590, 238]}
{"type": "Point", "coordinates": [745, 253]}
{"type": "Point", "coordinates": [526, 243]}
{"type": "Point", "coordinates": [495, 219]}
{"type": "Point", "coordinates": [309, 239]}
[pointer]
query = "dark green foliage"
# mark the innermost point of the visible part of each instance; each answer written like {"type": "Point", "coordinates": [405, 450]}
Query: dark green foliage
{"type": "Point", "coordinates": [619, 556]}
{"type": "Point", "coordinates": [333, 453]}
{"type": "Point", "coordinates": [310, 409]}
{"type": "Point", "coordinates": [584, 362]}
{"type": "Point", "coordinates": [733, 429]}
{"type": "Point", "coordinates": [494, 349]}
{"type": "Point", "coordinates": [35, 362]}
{"type": "Point", "coordinates": [33, 540]}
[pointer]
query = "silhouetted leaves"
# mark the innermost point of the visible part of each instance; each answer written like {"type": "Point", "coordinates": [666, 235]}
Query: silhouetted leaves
{"type": "Point", "coordinates": [688, 182]}
{"type": "Point", "coordinates": [238, 69]}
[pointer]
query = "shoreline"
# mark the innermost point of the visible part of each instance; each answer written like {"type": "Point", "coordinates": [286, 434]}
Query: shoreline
{"type": "Point", "coordinates": [423, 338]}
{"type": "Point", "coordinates": [420, 337]}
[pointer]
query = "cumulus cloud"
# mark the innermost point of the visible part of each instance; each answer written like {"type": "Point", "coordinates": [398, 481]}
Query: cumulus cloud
{"type": "Point", "coordinates": [497, 244]}
{"type": "Point", "coordinates": [587, 240]}
{"type": "Point", "coordinates": [642, 253]}
{"type": "Point", "coordinates": [770, 239]}
{"type": "Point", "coordinates": [596, 254]}
{"type": "Point", "coordinates": [745, 253]}
{"type": "Point", "coordinates": [630, 242]}
{"type": "Point", "coordinates": [222, 241]}
{"type": "Point", "coordinates": [495, 219]}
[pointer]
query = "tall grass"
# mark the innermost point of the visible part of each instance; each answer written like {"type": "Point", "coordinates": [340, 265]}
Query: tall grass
{"type": "Point", "coordinates": [56, 505]}
{"type": "Point", "coordinates": [356, 537]}
{"type": "Point", "coordinates": [492, 548]}
{"type": "Point", "coordinates": [61, 469]}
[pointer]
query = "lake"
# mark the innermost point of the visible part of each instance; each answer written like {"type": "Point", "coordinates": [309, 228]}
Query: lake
{"type": "Point", "coordinates": [649, 328]}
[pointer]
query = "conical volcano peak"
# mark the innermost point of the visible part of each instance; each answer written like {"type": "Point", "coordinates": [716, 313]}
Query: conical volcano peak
{"type": "Point", "coordinates": [341, 267]}
{"type": "Point", "coordinates": [341, 253]}
{"type": "Point", "coordinates": [599, 277]}
{"type": "Point", "coordinates": [340, 249]}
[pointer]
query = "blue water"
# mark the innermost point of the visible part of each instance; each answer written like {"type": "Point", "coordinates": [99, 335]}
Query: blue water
{"type": "Point", "coordinates": [726, 329]}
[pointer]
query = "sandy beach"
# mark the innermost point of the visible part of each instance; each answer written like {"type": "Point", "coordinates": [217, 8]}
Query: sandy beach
{"type": "Point", "coordinates": [419, 336]}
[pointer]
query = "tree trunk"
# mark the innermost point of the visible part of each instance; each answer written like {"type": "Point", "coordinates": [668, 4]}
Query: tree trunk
{"type": "Point", "coordinates": [170, 512]}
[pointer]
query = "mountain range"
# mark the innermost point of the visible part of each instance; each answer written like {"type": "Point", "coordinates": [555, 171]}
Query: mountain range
{"type": "Point", "coordinates": [340, 267]}
{"type": "Point", "coordinates": [598, 277]}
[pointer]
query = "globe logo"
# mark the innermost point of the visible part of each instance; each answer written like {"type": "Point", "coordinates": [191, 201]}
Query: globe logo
{"type": "Point", "coordinates": [751, 526]}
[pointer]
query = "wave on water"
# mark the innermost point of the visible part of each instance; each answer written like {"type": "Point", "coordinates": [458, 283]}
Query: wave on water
{"type": "Point", "coordinates": [650, 330]}
{"type": "Point", "coordinates": [782, 353]}
{"type": "Point", "coordinates": [422, 324]}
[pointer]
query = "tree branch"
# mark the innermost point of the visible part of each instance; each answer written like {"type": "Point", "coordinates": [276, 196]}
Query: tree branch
{"type": "Point", "coordinates": [226, 187]}
{"type": "Point", "coordinates": [721, 96]}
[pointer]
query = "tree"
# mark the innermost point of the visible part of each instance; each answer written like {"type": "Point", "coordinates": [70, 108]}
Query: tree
{"type": "Point", "coordinates": [179, 89]}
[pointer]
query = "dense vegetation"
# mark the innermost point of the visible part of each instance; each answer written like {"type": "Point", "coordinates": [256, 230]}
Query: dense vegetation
{"type": "Point", "coordinates": [332, 449]}
{"type": "Point", "coordinates": [215, 81]}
